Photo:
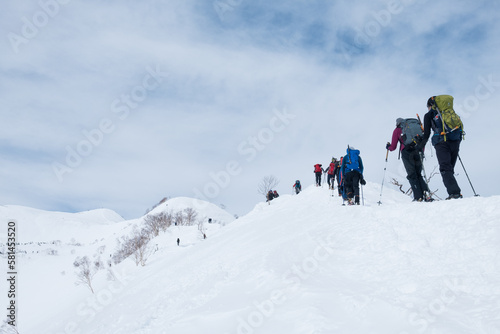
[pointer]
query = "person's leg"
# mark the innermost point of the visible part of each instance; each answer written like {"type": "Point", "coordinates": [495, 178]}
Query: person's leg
{"type": "Point", "coordinates": [348, 185]}
{"type": "Point", "coordinates": [338, 184]}
{"type": "Point", "coordinates": [447, 153]}
{"type": "Point", "coordinates": [411, 173]}
{"type": "Point", "coordinates": [355, 184]}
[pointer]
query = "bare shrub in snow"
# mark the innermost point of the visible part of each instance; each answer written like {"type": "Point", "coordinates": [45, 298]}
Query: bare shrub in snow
{"type": "Point", "coordinates": [409, 192]}
{"type": "Point", "coordinates": [166, 220]}
{"type": "Point", "coordinates": [140, 244]}
{"type": "Point", "coordinates": [136, 245]}
{"type": "Point", "coordinates": [179, 218]}
{"type": "Point", "coordinates": [123, 250]}
{"type": "Point", "coordinates": [101, 249]}
{"type": "Point", "coordinates": [190, 216]}
{"type": "Point", "coordinates": [201, 227]}
{"type": "Point", "coordinates": [86, 269]}
{"type": "Point", "coordinates": [266, 184]}
{"type": "Point", "coordinates": [51, 251]}
{"type": "Point", "coordinates": [154, 224]}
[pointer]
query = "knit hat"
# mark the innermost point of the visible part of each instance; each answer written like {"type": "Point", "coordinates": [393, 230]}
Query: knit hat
{"type": "Point", "coordinates": [431, 101]}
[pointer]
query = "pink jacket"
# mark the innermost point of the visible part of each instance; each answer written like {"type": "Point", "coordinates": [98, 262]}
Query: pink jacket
{"type": "Point", "coordinates": [396, 137]}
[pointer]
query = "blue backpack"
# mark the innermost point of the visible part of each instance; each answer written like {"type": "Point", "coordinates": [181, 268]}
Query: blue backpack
{"type": "Point", "coordinates": [352, 162]}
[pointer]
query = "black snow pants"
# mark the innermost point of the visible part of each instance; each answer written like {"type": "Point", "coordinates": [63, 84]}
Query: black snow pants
{"type": "Point", "coordinates": [447, 155]}
{"type": "Point", "coordinates": [413, 165]}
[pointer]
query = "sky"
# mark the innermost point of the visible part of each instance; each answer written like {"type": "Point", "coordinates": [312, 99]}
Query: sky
{"type": "Point", "coordinates": [117, 104]}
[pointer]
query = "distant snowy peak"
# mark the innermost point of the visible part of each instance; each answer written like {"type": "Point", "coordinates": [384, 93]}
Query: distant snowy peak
{"type": "Point", "coordinates": [39, 225]}
{"type": "Point", "coordinates": [203, 208]}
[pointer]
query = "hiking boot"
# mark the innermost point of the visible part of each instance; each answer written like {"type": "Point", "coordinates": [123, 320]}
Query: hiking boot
{"type": "Point", "coordinates": [429, 199]}
{"type": "Point", "coordinates": [454, 196]}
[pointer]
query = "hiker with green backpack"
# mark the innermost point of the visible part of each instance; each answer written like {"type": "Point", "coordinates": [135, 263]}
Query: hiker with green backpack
{"type": "Point", "coordinates": [448, 132]}
{"type": "Point", "coordinates": [409, 133]}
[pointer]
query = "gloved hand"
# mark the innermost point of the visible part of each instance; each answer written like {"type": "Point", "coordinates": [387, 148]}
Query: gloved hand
{"type": "Point", "coordinates": [387, 146]}
{"type": "Point", "coordinates": [363, 182]}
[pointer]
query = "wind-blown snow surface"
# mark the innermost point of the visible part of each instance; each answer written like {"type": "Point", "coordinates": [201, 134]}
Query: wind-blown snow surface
{"type": "Point", "coordinates": [304, 264]}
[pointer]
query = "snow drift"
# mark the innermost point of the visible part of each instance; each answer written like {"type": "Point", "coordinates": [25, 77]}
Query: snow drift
{"type": "Point", "coordinates": [303, 264]}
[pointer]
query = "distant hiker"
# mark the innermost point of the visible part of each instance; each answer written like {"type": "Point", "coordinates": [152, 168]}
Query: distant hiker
{"type": "Point", "coordinates": [331, 171]}
{"type": "Point", "coordinates": [446, 139]}
{"type": "Point", "coordinates": [204, 236]}
{"type": "Point", "coordinates": [352, 175]}
{"type": "Point", "coordinates": [210, 220]}
{"type": "Point", "coordinates": [275, 194]}
{"type": "Point", "coordinates": [409, 131]}
{"type": "Point", "coordinates": [178, 241]}
{"type": "Point", "coordinates": [319, 172]}
{"type": "Point", "coordinates": [297, 187]}
{"type": "Point", "coordinates": [269, 196]}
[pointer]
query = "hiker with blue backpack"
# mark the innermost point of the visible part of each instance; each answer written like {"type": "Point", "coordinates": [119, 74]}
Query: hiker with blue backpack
{"type": "Point", "coordinates": [297, 187]}
{"type": "Point", "coordinates": [409, 133]}
{"type": "Point", "coordinates": [448, 133]}
{"type": "Point", "coordinates": [352, 175]}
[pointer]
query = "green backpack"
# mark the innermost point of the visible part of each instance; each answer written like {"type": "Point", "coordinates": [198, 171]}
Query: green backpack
{"type": "Point", "coordinates": [451, 121]}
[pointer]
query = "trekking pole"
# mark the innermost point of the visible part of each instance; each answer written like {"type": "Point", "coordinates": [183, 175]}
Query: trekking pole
{"type": "Point", "coordinates": [385, 168]}
{"type": "Point", "coordinates": [475, 195]}
{"type": "Point", "coordinates": [362, 196]}
{"type": "Point", "coordinates": [421, 154]}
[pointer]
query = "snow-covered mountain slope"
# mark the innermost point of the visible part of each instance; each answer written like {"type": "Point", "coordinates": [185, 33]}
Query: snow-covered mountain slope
{"type": "Point", "coordinates": [49, 242]}
{"type": "Point", "coordinates": [305, 264]}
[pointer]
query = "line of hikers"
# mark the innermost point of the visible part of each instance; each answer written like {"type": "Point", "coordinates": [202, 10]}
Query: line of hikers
{"type": "Point", "coordinates": [412, 137]}
{"type": "Point", "coordinates": [349, 173]}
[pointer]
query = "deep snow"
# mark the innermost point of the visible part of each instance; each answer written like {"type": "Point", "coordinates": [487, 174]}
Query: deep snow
{"type": "Point", "coordinates": [303, 264]}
